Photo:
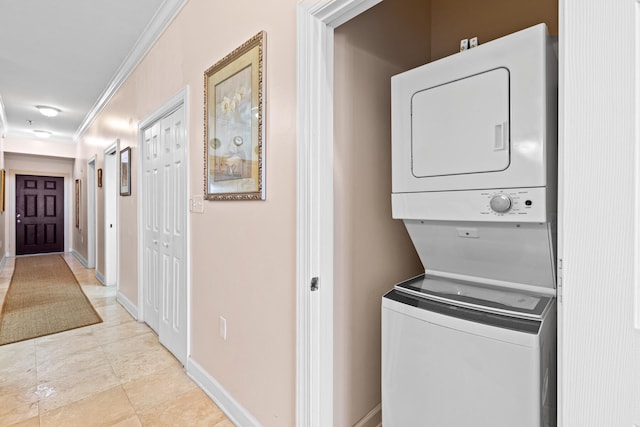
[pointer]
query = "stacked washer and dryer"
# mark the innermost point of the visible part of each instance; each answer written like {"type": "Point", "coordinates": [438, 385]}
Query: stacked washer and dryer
{"type": "Point", "coordinates": [472, 342]}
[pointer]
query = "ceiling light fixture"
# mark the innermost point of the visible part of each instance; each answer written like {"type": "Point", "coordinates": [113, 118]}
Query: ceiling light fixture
{"type": "Point", "coordinates": [48, 111]}
{"type": "Point", "coordinates": [42, 133]}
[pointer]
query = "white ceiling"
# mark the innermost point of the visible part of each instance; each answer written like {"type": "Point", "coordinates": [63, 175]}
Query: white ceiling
{"type": "Point", "coordinates": [71, 55]}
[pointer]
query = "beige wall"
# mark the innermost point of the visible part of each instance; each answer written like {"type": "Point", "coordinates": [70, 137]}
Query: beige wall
{"type": "Point", "coordinates": [372, 251]}
{"type": "Point", "coordinates": [452, 21]}
{"type": "Point", "coordinates": [242, 254]}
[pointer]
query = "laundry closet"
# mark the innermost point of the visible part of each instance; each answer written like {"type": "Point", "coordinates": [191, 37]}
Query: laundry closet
{"type": "Point", "coordinates": [372, 251]}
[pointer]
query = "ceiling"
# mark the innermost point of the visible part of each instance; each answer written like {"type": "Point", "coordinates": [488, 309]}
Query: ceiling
{"type": "Point", "coordinates": [71, 55]}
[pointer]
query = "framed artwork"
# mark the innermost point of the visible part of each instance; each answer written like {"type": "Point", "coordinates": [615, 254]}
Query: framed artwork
{"type": "Point", "coordinates": [234, 124]}
{"type": "Point", "coordinates": [99, 177]}
{"type": "Point", "coordinates": [125, 172]}
{"type": "Point", "coordinates": [78, 184]}
{"type": "Point", "coordinates": [2, 189]}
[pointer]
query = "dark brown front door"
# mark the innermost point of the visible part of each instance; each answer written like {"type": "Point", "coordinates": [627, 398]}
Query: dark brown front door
{"type": "Point", "coordinates": [39, 214]}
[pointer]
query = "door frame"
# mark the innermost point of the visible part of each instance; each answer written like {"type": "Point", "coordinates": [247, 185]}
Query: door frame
{"type": "Point", "coordinates": [112, 149]}
{"type": "Point", "coordinates": [181, 99]}
{"type": "Point", "coordinates": [316, 21]}
{"type": "Point", "coordinates": [91, 212]}
{"type": "Point", "coordinates": [10, 199]}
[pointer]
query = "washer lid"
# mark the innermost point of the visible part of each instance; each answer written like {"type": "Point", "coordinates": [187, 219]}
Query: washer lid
{"type": "Point", "coordinates": [478, 296]}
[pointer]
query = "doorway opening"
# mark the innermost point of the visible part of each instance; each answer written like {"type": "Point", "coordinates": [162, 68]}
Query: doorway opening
{"type": "Point", "coordinates": [39, 214]}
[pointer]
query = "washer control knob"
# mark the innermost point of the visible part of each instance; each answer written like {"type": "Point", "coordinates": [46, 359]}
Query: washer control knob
{"type": "Point", "coordinates": [500, 203]}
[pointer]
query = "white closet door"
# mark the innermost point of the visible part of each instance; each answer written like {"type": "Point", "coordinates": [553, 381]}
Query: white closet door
{"type": "Point", "coordinates": [173, 292]}
{"type": "Point", "coordinates": [151, 240]}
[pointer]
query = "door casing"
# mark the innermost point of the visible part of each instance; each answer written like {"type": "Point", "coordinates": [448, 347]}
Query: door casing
{"type": "Point", "coordinates": [111, 179]}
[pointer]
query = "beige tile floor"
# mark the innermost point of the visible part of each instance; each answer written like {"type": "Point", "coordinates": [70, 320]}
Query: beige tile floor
{"type": "Point", "coordinates": [114, 373]}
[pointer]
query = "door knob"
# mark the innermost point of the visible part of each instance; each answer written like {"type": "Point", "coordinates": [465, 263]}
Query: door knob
{"type": "Point", "coordinates": [18, 221]}
{"type": "Point", "coordinates": [18, 216]}
{"type": "Point", "coordinates": [155, 242]}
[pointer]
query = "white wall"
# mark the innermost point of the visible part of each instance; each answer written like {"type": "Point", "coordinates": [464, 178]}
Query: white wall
{"type": "Point", "coordinates": [599, 349]}
{"type": "Point", "coordinates": [40, 147]}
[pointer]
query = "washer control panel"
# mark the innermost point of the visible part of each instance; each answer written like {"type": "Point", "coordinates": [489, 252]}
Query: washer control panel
{"type": "Point", "coordinates": [499, 205]}
{"type": "Point", "coordinates": [509, 202]}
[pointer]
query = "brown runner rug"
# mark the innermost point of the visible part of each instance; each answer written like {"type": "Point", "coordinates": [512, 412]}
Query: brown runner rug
{"type": "Point", "coordinates": [44, 297]}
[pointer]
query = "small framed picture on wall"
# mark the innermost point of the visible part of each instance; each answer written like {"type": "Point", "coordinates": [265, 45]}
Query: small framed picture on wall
{"type": "Point", "coordinates": [125, 172]}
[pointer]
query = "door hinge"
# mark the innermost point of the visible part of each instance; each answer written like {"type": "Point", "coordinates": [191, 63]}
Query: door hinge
{"type": "Point", "coordinates": [314, 283]}
{"type": "Point", "coordinates": [559, 287]}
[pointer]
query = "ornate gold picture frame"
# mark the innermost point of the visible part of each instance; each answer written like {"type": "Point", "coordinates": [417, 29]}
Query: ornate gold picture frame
{"type": "Point", "coordinates": [125, 171]}
{"type": "Point", "coordinates": [234, 124]}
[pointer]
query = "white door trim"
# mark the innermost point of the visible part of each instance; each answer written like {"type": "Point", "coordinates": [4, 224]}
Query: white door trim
{"type": "Point", "coordinates": [112, 149]}
{"type": "Point", "coordinates": [91, 212]}
{"type": "Point", "coordinates": [316, 21]}
{"type": "Point", "coordinates": [176, 101]}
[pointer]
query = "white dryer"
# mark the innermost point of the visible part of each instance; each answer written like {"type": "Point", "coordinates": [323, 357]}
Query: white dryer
{"type": "Point", "coordinates": [474, 167]}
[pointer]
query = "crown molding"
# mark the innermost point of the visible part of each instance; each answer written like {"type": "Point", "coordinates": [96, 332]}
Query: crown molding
{"type": "Point", "coordinates": [158, 24]}
{"type": "Point", "coordinates": [3, 119]}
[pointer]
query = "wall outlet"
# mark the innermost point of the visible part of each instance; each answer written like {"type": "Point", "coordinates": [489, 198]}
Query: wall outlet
{"type": "Point", "coordinates": [222, 326]}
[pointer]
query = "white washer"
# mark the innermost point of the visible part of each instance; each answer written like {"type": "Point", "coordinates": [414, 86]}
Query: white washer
{"type": "Point", "coordinates": [448, 364]}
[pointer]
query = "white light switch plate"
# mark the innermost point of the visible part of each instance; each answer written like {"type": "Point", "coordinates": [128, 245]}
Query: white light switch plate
{"type": "Point", "coordinates": [197, 204]}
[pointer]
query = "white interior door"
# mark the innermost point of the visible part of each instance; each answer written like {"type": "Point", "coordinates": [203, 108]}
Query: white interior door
{"type": "Point", "coordinates": [110, 180]}
{"type": "Point", "coordinates": [151, 214]}
{"type": "Point", "coordinates": [164, 239]}
{"type": "Point", "coordinates": [173, 319]}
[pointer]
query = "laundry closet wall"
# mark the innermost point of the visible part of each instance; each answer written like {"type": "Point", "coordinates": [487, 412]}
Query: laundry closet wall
{"type": "Point", "coordinates": [372, 251]}
{"type": "Point", "coordinates": [242, 254]}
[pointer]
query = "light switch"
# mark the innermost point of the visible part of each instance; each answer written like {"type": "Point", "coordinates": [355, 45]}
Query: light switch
{"type": "Point", "coordinates": [197, 204]}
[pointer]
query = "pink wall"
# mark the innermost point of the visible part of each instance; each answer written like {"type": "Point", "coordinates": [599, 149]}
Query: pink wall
{"type": "Point", "coordinates": [242, 253]}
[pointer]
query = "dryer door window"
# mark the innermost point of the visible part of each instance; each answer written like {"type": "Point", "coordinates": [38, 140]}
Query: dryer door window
{"type": "Point", "coordinates": [462, 127]}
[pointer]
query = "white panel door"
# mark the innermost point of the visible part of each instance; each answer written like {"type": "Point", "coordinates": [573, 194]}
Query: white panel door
{"type": "Point", "coordinates": [151, 240]}
{"type": "Point", "coordinates": [164, 212]}
{"type": "Point", "coordinates": [173, 318]}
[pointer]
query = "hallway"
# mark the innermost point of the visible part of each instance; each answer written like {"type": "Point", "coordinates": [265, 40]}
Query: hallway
{"type": "Point", "coordinates": [111, 373]}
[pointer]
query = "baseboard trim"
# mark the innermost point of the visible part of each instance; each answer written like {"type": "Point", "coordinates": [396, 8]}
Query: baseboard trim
{"type": "Point", "coordinates": [127, 304]}
{"type": "Point", "coordinates": [372, 419]}
{"type": "Point", "coordinates": [100, 278]}
{"type": "Point", "coordinates": [80, 258]}
{"type": "Point", "coordinates": [3, 262]}
{"type": "Point", "coordinates": [232, 409]}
